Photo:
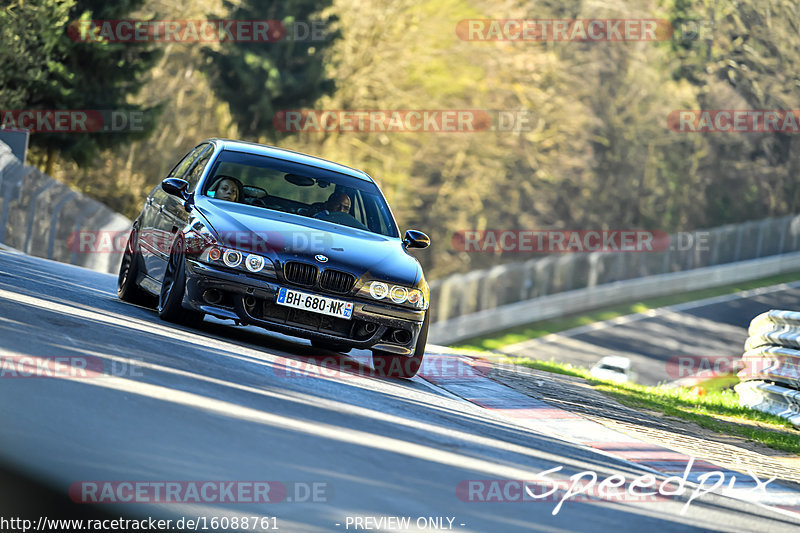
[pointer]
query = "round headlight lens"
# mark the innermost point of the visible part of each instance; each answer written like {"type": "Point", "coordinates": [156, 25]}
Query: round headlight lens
{"type": "Point", "coordinates": [232, 258]}
{"type": "Point", "coordinates": [254, 263]}
{"type": "Point", "coordinates": [378, 290]}
{"type": "Point", "coordinates": [214, 254]}
{"type": "Point", "coordinates": [399, 294]}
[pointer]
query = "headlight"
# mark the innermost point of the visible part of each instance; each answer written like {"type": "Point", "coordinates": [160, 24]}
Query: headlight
{"type": "Point", "coordinates": [254, 263]}
{"type": "Point", "coordinates": [378, 290]}
{"type": "Point", "coordinates": [399, 294]}
{"type": "Point", "coordinates": [231, 258]}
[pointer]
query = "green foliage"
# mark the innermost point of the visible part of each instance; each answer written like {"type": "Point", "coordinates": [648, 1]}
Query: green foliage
{"type": "Point", "coordinates": [717, 410]}
{"type": "Point", "coordinates": [258, 79]}
{"type": "Point", "coordinates": [596, 153]}
{"type": "Point", "coordinates": [53, 71]}
{"type": "Point", "coordinates": [29, 51]}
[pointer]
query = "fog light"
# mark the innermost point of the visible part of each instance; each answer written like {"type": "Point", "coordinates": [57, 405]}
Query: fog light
{"type": "Point", "coordinates": [232, 258]}
{"type": "Point", "coordinates": [378, 290]}
{"type": "Point", "coordinates": [254, 263]}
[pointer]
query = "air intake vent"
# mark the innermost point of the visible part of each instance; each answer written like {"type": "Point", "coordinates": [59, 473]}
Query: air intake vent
{"type": "Point", "coordinates": [336, 281]}
{"type": "Point", "coordinates": [300, 273]}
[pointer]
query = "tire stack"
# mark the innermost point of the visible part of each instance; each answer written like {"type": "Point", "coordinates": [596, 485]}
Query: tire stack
{"type": "Point", "coordinates": [770, 377]}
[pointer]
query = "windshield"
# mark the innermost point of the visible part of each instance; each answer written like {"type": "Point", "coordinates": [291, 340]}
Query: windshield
{"type": "Point", "coordinates": [299, 189]}
{"type": "Point", "coordinates": [612, 368]}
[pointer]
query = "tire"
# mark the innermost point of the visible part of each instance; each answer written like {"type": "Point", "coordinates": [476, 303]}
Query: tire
{"type": "Point", "coordinates": [127, 289]}
{"type": "Point", "coordinates": [332, 346]}
{"type": "Point", "coordinates": [170, 307]}
{"type": "Point", "coordinates": [402, 366]}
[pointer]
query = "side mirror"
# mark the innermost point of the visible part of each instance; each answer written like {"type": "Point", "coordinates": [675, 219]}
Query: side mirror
{"type": "Point", "coordinates": [176, 187]}
{"type": "Point", "coordinates": [416, 239]}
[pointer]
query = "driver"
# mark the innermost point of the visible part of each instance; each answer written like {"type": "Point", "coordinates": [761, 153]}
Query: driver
{"type": "Point", "coordinates": [228, 188]}
{"type": "Point", "coordinates": [337, 209]}
{"type": "Point", "coordinates": [338, 202]}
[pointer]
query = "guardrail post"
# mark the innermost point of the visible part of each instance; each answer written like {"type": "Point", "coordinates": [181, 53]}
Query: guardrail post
{"type": "Point", "coordinates": [54, 221]}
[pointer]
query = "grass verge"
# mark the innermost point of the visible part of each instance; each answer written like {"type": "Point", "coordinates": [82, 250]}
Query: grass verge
{"type": "Point", "coordinates": [539, 329]}
{"type": "Point", "coordinates": [717, 410]}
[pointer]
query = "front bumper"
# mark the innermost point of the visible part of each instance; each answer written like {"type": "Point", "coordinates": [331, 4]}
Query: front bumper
{"type": "Point", "coordinates": [252, 300]}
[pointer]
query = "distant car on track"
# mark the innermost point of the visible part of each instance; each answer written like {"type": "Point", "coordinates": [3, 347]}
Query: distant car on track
{"type": "Point", "coordinates": [613, 368]}
{"type": "Point", "coordinates": [282, 240]}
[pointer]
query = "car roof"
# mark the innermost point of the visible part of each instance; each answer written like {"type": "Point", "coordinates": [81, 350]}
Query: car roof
{"type": "Point", "coordinates": [282, 153]}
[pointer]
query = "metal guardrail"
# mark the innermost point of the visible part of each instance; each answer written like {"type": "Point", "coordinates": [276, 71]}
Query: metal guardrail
{"type": "Point", "coordinates": [43, 217]}
{"type": "Point", "coordinates": [504, 285]}
{"type": "Point", "coordinates": [570, 302]}
{"type": "Point", "coordinates": [771, 365]}
{"type": "Point", "coordinates": [770, 398]}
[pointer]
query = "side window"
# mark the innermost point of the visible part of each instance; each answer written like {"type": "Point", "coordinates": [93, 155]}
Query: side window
{"type": "Point", "coordinates": [181, 168]}
{"type": "Point", "coordinates": [194, 175]}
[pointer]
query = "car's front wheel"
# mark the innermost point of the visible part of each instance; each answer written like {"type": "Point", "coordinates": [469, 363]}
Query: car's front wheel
{"type": "Point", "coordinates": [127, 289]}
{"type": "Point", "coordinates": [172, 288]}
{"type": "Point", "coordinates": [402, 366]}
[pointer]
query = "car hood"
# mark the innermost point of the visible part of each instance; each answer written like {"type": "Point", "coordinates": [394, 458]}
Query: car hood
{"type": "Point", "coordinates": [286, 237]}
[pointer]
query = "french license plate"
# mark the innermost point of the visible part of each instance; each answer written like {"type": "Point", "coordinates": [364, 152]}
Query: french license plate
{"type": "Point", "coordinates": [315, 303]}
